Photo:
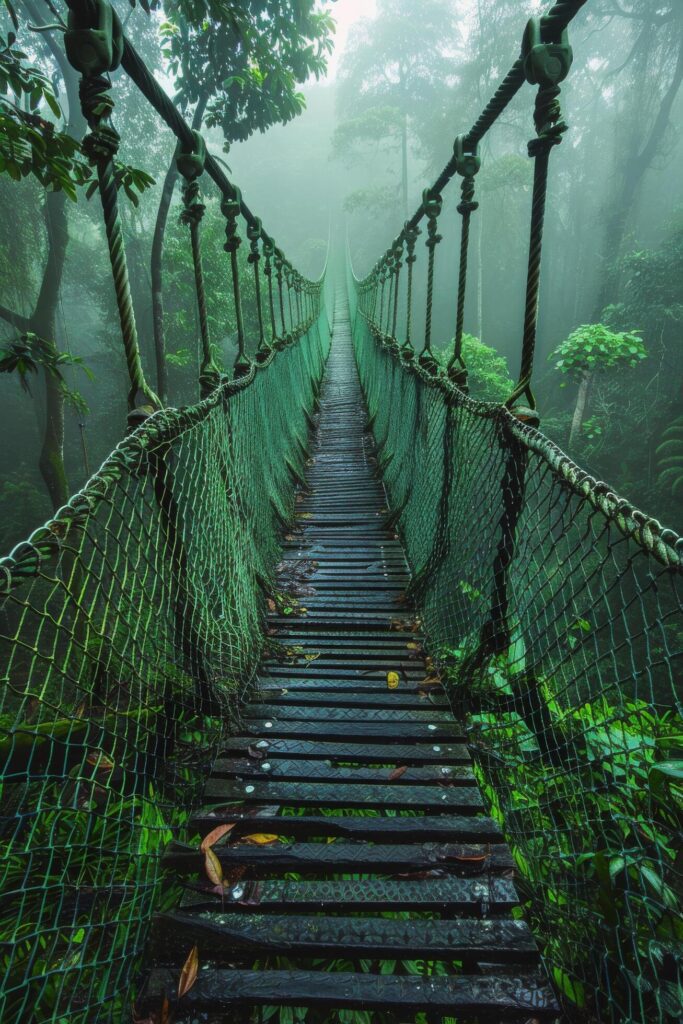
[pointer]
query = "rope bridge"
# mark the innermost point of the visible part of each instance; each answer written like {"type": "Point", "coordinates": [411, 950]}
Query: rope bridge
{"type": "Point", "coordinates": [138, 662]}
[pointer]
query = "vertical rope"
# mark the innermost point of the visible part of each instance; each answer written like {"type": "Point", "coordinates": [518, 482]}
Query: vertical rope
{"type": "Point", "coordinates": [467, 165]}
{"type": "Point", "coordinates": [101, 146]}
{"type": "Point", "coordinates": [254, 234]}
{"type": "Point", "coordinates": [411, 234]}
{"type": "Point", "coordinates": [545, 64]}
{"type": "Point", "coordinates": [209, 375]}
{"type": "Point", "coordinates": [268, 250]}
{"type": "Point", "coordinates": [230, 208]}
{"type": "Point", "coordinates": [398, 253]}
{"type": "Point", "coordinates": [279, 263]}
{"type": "Point", "coordinates": [432, 206]}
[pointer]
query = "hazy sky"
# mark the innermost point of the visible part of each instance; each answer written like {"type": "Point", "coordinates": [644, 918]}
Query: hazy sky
{"type": "Point", "coordinates": [345, 12]}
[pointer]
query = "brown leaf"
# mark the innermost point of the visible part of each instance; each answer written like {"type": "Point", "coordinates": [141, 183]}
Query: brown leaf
{"type": "Point", "coordinates": [165, 1017]}
{"type": "Point", "coordinates": [398, 772]}
{"type": "Point", "coordinates": [188, 974]}
{"type": "Point", "coordinates": [272, 607]}
{"type": "Point", "coordinates": [214, 835]}
{"type": "Point", "coordinates": [472, 858]}
{"type": "Point", "coordinates": [212, 866]}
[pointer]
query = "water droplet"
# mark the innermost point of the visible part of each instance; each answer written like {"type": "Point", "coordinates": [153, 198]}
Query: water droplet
{"type": "Point", "coordinates": [263, 744]}
{"type": "Point", "coordinates": [432, 728]}
{"type": "Point", "coordinates": [248, 789]}
{"type": "Point", "coordinates": [237, 892]}
{"type": "Point", "coordinates": [266, 766]}
{"type": "Point", "coordinates": [437, 750]}
{"type": "Point", "coordinates": [269, 725]}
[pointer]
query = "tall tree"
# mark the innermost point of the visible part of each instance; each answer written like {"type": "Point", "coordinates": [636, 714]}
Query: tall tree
{"type": "Point", "coordinates": [394, 67]}
{"type": "Point", "coordinates": [236, 68]}
{"type": "Point", "coordinates": [649, 81]}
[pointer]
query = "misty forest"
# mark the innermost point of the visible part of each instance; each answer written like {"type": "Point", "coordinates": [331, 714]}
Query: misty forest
{"type": "Point", "coordinates": [340, 615]}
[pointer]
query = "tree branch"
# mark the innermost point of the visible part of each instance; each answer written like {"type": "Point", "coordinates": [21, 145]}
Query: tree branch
{"type": "Point", "coordinates": [21, 323]}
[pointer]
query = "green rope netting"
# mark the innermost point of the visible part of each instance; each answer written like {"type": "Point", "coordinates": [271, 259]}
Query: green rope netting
{"type": "Point", "coordinates": [130, 627]}
{"type": "Point", "coordinates": [553, 610]}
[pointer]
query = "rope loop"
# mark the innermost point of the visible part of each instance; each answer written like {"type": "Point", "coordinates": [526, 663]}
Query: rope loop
{"type": "Point", "coordinates": [231, 207]}
{"type": "Point", "coordinates": [94, 38]}
{"type": "Point", "coordinates": [190, 160]}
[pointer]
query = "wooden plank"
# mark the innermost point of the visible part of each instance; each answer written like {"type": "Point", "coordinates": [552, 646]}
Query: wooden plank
{"type": "Point", "coordinates": [410, 829]}
{"type": "Point", "coordinates": [381, 732]}
{"type": "Point", "coordinates": [220, 934]}
{"type": "Point", "coordinates": [447, 896]}
{"type": "Point", "coordinates": [327, 713]}
{"type": "Point", "coordinates": [515, 998]}
{"type": "Point", "coordinates": [336, 858]}
{"type": "Point", "coordinates": [354, 753]}
{"type": "Point", "coordinates": [325, 771]}
{"type": "Point", "coordinates": [461, 799]}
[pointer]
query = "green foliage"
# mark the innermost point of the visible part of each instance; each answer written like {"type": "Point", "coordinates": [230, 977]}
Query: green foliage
{"type": "Point", "coordinates": [371, 127]}
{"type": "Point", "coordinates": [27, 354]}
{"type": "Point", "coordinates": [375, 200]}
{"type": "Point", "coordinates": [30, 144]}
{"type": "Point", "coordinates": [670, 457]}
{"type": "Point", "coordinates": [247, 60]}
{"type": "Point", "coordinates": [619, 775]}
{"type": "Point", "coordinates": [594, 347]}
{"type": "Point", "coordinates": [487, 372]}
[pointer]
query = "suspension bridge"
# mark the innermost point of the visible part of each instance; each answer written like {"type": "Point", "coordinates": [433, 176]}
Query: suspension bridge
{"type": "Point", "coordinates": [340, 690]}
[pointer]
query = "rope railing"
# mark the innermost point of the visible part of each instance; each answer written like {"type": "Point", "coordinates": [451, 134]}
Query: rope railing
{"type": "Point", "coordinates": [551, 606]}
{"type": "Point", "coordinates": [131, 624]}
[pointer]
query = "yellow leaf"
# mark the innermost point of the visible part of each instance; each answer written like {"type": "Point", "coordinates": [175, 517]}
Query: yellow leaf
{"type": "Point", "coordinates": [413, 647]}
{"type": "Point", "coordinates": [312, 657]}
{"type": "Point", "coordinates": [188, 975]}
{"type": "Point", "coordinates": [212, 866]}
{"type": "Point", "coordinates": [392, 680]}
{"type": "Point", "coordinates": [261, 839]}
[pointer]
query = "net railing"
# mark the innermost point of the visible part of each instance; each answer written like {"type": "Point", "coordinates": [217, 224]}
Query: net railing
{"type": "Point", "coordinates": [131, 624]}
{"type": "Point", "coordinates": [552, 607]}
{"type": "Point", "coordinates": [130, 628]}
{"type": "Point", "coordinates": [553, 611]}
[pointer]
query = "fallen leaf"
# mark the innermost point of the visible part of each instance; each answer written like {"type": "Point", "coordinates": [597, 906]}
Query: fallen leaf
{"type": "Point", "coordinates": [165, 1012]}
{"type": "Point", "coordinates": [272, 607]}
{"type": "Point", "coordinates": [478, 858]}
{"type": "Point", "coordinates": [398, 772]}
{"type": "Point", "coordinates": [188, 974]}
{"type": "Point", "coordinates": [256, 754]}
{"type": "Point", "coordinates": [212, 866]}
{"type": "Point", "coordinates": [312, 657]}
{"type": "Point", "coordinates": [213, 836]}
{"type": "Point", "coordinates": [392, 680]}
{"type": "Point", "coordinates": [261, 839]}
{"type": "Point", "coordinates": [413, 647]}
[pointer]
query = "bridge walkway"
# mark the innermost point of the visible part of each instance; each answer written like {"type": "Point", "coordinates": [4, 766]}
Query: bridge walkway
{"type": "Point", "coordinates": [371, 843]}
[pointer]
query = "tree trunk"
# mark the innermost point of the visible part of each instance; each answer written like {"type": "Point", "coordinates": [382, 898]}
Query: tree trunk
{"type": "Point", "coordinates": [622, 206]}
{"type": "Point", "coordinates": [43, 323]}
{"type": "Point", "coordinates": [404, 165]}
{"type": "Point", "coordinates": [157, 258]}
{"type": "Point", "coordinates": [580, 409]}
{"type": "Point", "coordinates": [43, 320]}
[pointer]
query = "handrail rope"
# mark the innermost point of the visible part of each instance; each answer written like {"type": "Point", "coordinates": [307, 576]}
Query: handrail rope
{"type": "Point", "coordinates": [556, 19]}
{"type": "Point", "coordinates": [136, 69]}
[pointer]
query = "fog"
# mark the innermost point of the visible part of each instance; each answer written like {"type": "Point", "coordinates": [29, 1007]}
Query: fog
{"type": "Point", "coordinates": [403, 80]}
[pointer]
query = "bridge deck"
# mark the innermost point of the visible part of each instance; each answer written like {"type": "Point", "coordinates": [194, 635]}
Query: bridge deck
{"type": "Point", "coordinates": [408, 835]}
